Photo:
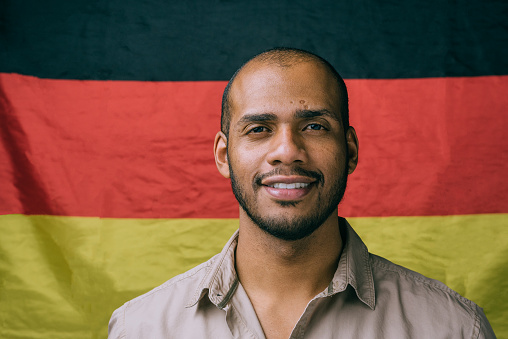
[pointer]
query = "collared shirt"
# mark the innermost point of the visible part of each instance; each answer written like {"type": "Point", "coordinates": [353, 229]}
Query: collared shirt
{"type": "Point", "coordinates": [368, 297]}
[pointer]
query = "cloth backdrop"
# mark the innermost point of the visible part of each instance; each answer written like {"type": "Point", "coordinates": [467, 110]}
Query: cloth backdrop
{"type": "Point", "coordinates": [108, 110]}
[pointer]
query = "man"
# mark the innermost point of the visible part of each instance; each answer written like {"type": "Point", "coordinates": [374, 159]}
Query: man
{"type": "Point", "coordinates": [294, 269]}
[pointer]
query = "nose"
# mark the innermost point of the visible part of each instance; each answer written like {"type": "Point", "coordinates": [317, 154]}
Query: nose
{"type": "Point", "coordinates": [286, 147]}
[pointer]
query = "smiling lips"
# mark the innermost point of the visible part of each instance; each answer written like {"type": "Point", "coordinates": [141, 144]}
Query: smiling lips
{"type": "Point", "coordinates": [288, 188]}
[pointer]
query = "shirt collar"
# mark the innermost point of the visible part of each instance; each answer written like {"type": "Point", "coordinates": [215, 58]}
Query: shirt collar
{"type": "Point", "coordinates": [220, 281]}
{"type": "Point", "coordinates": [354, 268]}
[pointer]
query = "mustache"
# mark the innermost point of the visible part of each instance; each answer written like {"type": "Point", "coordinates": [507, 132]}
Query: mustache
{"type": "Point", "coordinates": [287, 172]}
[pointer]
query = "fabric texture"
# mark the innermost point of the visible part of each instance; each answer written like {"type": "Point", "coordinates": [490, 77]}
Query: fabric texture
{"type": "Point", "coordinates": [368, 297]}
{"type": "Point", "coordinates": [108, 113]}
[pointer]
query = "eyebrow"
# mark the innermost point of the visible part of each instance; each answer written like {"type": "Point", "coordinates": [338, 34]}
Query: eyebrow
{"type": "Point", "coordinates": [257, 117]}
{"type": "Point", "coordinates": [305, 114]}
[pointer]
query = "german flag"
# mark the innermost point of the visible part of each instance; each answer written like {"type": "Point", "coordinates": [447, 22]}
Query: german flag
{"type": "Point", "coordinates": [108, 110]}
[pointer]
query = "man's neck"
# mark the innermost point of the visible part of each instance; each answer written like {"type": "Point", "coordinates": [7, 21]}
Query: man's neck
{"type": "Point", "coordinates": [277, 268]}
{"type": "Point", "coordinates": [281, 277]}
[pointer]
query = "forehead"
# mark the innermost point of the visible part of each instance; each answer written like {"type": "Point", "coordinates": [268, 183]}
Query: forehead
{"type": "Point", "coordinates": [271, 88]}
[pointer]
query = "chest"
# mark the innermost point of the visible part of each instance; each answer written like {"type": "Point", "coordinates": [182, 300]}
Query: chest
{"type": "Point", "coordinates": [340, 316]}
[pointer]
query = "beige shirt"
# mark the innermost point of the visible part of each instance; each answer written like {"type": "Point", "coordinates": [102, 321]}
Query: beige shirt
{"type": "Point", "coordinates": [368, 297]}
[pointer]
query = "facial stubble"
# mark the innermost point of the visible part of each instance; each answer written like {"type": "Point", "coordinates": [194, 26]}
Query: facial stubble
{"type": "Point", "coordinates": [295, 227]}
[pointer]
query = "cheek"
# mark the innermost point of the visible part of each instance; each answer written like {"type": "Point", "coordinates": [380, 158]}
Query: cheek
{"type": "Point", "coordinates": [327, 150]}
{"type": "Point", "coordinates": [244, 162]}
{"type": "Point", "coordinates": [248, 157]}
{"type": "Point", "coordinates": [330, 159]}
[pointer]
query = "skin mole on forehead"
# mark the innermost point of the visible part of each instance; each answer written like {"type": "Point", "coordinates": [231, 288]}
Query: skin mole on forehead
{"type": "Point", "coordinates": [302, 101]}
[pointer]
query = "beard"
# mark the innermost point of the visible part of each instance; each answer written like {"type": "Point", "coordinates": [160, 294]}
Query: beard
{"type": "Point", "coordinates": [287, 227]}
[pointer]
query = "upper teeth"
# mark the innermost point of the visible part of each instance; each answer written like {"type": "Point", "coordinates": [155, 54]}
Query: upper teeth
{"type": "Point", "coordinates": [290, 186]}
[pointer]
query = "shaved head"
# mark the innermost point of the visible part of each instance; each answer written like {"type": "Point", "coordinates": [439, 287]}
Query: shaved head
{"type": "Point", "coordinates": [285, 57]}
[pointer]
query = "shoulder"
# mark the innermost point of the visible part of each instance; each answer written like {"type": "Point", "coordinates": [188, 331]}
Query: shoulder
{"type": "Point", "coordinates": [170, 297]}
{"type": "Point", "coordinates": [185, 283]}
{"type": "Point", "coordinates": [431, 302]}
{"type": "Point", "coordinates": [386, 272]}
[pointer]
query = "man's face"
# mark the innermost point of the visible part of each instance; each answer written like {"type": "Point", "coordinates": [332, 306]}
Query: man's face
{"type": "Point", "coordinates": [287, 151]}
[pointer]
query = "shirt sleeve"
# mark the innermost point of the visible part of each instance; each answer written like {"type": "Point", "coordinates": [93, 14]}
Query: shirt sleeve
{"type": "Point", "coordinates": [116, 327]}
{"type": "Point", "coordinates": [485, 330]}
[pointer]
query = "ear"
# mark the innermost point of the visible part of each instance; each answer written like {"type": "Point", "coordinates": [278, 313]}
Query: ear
{"type": "Point", "coordinates": [352, 148]}
{"type": "Point", "coordinates": [220, 151]}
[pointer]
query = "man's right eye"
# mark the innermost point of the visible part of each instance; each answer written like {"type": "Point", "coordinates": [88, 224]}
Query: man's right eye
{"type": "Point", "coordinates": [258, 129]}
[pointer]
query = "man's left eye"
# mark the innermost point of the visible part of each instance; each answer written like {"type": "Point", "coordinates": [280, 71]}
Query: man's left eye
{"type": "Point", "coordinates": [315, 127]}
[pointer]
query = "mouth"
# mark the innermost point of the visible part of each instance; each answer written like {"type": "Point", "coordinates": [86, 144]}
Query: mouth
{"type": "Point", "coordinates": [292, 186]}
{"type": "Point", "coordinates": [288, 188]}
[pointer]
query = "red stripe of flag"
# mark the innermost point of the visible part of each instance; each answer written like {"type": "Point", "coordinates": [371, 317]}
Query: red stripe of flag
{"type": "Point", "coordinates": [144, 149]}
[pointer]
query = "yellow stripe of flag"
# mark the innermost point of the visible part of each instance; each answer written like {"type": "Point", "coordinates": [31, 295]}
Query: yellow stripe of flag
{"type": "Point", "coordinates": [70, 273]}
